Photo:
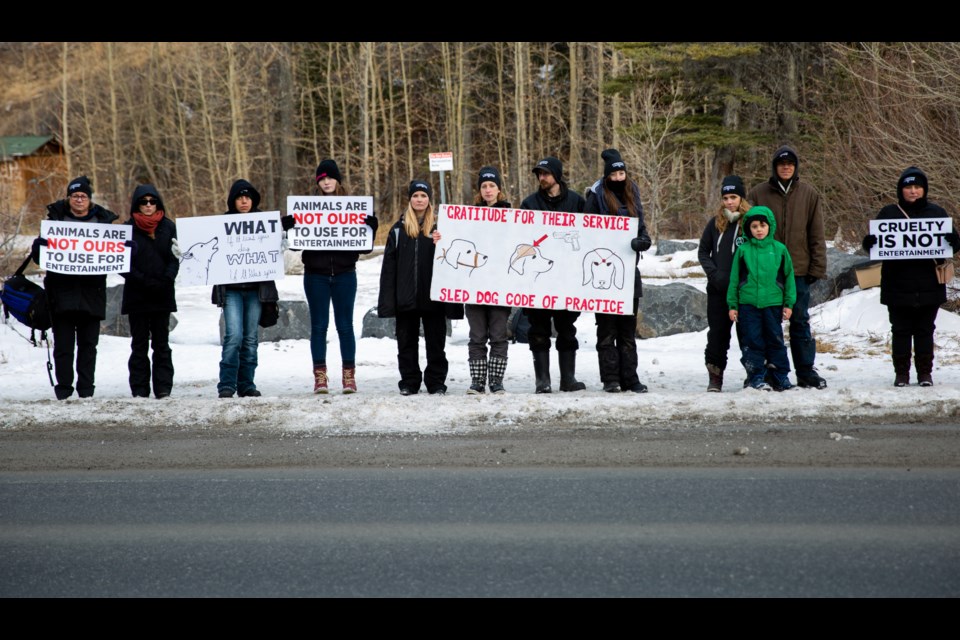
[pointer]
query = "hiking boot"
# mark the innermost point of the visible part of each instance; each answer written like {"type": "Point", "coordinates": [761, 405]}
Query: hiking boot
{"type": "Point", "coordinates": [349, 379]}
{"type": "Point", "coordinates": [478, 376]}
{"type": "Point", "coordinates": [497, 369]}
{"type": "Point", "coordinates": [715, 384]}
{"type": "Point", "coordinates": [810, 380]}
{"type": "Point", "coordinates": [250, 393]}
{"type": "Point", "coordinates": [225, 393]}
{"type": "Point", "coordinates": [320, 381]}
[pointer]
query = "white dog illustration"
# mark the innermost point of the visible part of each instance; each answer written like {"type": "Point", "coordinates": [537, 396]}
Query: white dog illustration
{"type": "Point", "coordinates": [602, 269]}
{"type": "Point", "coordinates": [202, 254]}
{"type": "Point", "coordinates": [527, 257]}
{"type": "Point", "coordinates": [463, 253]}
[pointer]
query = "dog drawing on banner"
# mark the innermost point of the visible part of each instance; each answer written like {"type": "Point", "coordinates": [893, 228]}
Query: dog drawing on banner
{"type": "Point", "coordinates": [201, 253]}
{"type": "Point", "coordinates": [602, 269]}
{"type": "Point", "coordinates": [527, 258]}
{"type": "Point", "coordinates": [463, 253]}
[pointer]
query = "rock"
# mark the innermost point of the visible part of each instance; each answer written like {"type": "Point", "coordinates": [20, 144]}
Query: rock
{"type": "Point", "coordinates": [376, 327]}
{"type": "Point", "coordinates": [666, 247]}
{"type": "Point", "coordinates": [670, 309]}
{"type": "Point", "coordinates": [841, 274]}
{"type": "Point", "coordinates": [293, 324]}
{"type": "Point", "coordinates": [115, 323]}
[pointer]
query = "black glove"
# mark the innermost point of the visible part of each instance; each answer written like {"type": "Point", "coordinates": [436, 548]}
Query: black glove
{"type": "Point", "coordinates": [35, 249]}
{"type": "Point", "coordinates": [640, 244]}
{"type": "Point", "coordinates": [287, 222]}
{"type": "Point", "coordinates": [372, 222]}
{"type": "Point", "coordinates": [869, 241]}
{"type": "Point", "coordinates": [133, 246]}
{"type": "Point", "coordinates": [810, 279]}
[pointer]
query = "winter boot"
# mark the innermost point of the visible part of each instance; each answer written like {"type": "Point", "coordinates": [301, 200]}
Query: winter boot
{"type": "Point", "coordinates": [924, 364]}
{"type": "Point", "coordinates": [541, 371]}
{"type": "Point", "coordinates": [568, 370]}
{"type": "Point", "coordinates": [610, 387]}
{"type": "Point", "coordinates": [498, 368]}
{"type": "Point", "coordinates": [901, 369]}
{"type": "Point", "coordinates": [319, 378]}
{"type": "Point", "coordinates": [810, 380]}
{"type": "Point", "coordinates": [349, 379]}
{"type": "Point", "coordinates": [716, 378]}
{"type": "Point", "coordinates": [478, 376]}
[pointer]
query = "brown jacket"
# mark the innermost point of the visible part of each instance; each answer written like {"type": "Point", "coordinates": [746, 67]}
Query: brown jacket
{"type": "Point", "coordinates": [799, 223]}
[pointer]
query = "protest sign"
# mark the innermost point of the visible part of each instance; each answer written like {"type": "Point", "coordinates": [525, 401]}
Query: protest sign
{"type": "Point", "coordinates": [85, 248]}
{"type": "Point", "coordinates": [911, 238]}
{"type": "Point", "coordinates": [534, 259]}
{"type": "Point", "coordinates": [330, 223]}
{"type": "Point", "coordinates": [230, 248]}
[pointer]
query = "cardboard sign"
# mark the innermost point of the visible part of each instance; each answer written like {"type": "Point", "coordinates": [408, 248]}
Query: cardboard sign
{"type": "Point", "coordinates": [85, 248]}
{"type": "Point", "coordinates": [911, 238]}
{"type": "Point", "coordinates": [534, 259]}
{"type": "Point", "coordinates": [230, 248]}
{"type": "Point", "coordinates": [330, 223]}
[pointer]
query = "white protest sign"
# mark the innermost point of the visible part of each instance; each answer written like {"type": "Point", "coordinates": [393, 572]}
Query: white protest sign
{"type": "Point", "coordinates": [330, 223]}
{"type": "Point", "coordinates": [87, 248]}
{"type": "Point", "coordinates": [230, 248]}
{"type": "Point", "coordinates": [534, 259]}
{"type": "Point", "coordinates": [911, 238]}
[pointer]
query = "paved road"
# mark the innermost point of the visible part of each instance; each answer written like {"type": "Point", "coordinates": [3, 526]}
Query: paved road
{"type": "Point", "coordinates": [481, 532]}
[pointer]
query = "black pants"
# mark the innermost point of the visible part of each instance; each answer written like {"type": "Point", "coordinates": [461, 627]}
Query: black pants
{"type": "Point", "coordinates": [540, 332]}
{"type": "Point", "coordinates": [144, 329]}
{"type": "Point", "coordinates": [617, 348]}
{"type": "Point", "coordinates": [408, 352]}
{"type": "Point", "coordinates": [81, 330]}
{"type": "Point", "coordinates": [718, 333]}
{"type": "Point", "coordinates": [912, 325]}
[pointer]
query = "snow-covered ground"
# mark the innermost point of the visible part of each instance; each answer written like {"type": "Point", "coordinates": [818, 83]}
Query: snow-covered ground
{"type": "Point", "coordinates": [852, 332]}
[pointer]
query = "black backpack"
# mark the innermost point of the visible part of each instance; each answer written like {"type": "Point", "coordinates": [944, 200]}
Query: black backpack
{"type": "Point", "coordinates": [27, 302]}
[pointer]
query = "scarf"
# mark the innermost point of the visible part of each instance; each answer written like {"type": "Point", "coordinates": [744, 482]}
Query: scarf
{"type": "Point", "coordinates": [148, 224]}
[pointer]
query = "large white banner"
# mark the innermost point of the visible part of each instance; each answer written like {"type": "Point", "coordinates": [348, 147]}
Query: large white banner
{"type": "Point", "coordinates": [230, 248]}
{"type": "Point", "coordinates": [330, 223]}
{"type": "Point", "coordinates": [911, 238]}
{"type": "Point", "coordinates": [86, 248]}
{"type": "Point", "coordinates": [534, 259]}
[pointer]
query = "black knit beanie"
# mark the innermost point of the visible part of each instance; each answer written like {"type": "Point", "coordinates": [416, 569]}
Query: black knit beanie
{"type": "Point", "coordinates": [612, 162]}
{"type": "Point", "coordinates": [328, 169]}
{"type": "Point", "coordinates": [490, 174]}
{"type": "Point", "coordinates": [419, 185]}
{"type": "Point", "coordinates": [733, 184]}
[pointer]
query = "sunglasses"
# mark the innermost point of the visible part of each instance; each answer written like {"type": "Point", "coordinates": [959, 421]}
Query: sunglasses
{"type": "Point", "coordinates": [143, 201]}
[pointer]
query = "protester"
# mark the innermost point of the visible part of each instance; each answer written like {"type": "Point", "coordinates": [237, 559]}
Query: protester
{"type": "Point", "coordinates": [553, 195]}
{"type": "Point", "coordinates": [331, 277]}
{"type": "Point", "coordinates": [148, 293]}
{"type": "Point", "coordinates": [77, 302]}
{"type": "Point", "coordinates": [910, 288]}
{"type": "Point", "coordinates": [405, 277]}
{"type": "Point", "coordinates": [617, 195]}
{"type": "Point", "coordinates": [760, 296]}
{"type": "Point", "coordinates": [719, 242]}
{"type": "Point", "coordinates": [796, 208]}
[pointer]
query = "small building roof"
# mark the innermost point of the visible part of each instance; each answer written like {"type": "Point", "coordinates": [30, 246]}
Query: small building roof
{"type": "Point", "coordinates": [13, 146]}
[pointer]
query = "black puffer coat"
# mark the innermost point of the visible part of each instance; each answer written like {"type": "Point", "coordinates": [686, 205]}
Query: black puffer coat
{"type": "Point", "coordinates": [596, 202]}
{"type": "Point", "coordinates": [149, 285]}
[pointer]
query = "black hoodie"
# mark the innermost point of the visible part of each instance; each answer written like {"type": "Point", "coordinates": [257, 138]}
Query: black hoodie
{"type": "Point", "coordinates": [149, 285]}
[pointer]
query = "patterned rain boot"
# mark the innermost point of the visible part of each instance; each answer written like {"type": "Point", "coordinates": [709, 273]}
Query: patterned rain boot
{"type": "Point", "coordinates": [498, 368]}
{"type": "Point", "coordinates": [478, 376]}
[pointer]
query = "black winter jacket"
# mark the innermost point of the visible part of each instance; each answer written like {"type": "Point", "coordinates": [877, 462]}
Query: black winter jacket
{"type": "Point", "coordinates": [596, 202]}
{"type": "Point", "coordinates": [67, 292]}
{"type": "Point", "coordinates": [568, 201]}
{"type": "Point", "coordinates": [406, 274]}
{"type": "Point", "coordinates": [716, 255]}
{"type": "Point", "coordinates": [149, 286]}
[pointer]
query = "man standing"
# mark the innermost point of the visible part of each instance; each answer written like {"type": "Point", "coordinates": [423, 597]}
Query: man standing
{"type": "Point", "coordinates": [553, 195]}
{"type": "Point", "coordinates": [796, 208]}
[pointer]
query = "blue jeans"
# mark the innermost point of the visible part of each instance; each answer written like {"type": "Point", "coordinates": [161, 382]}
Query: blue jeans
{"type": "Point", "coordinates": [341, 289]}
{"type": "Point", "coordinates": [761, 336]}
{"type": "Point", "coordinates": [238, 362]}
{"type": "Point", "coordinates": [803, 348]}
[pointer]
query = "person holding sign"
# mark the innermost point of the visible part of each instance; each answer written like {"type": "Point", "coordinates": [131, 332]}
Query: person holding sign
{"type": "Point", "coordinates": [553, 195]}
{"type": "Point", "coordinates": [910, 288]}
{"type": "Point", "coordinates": [488, 323]}
{"type": "Point", "coordinates": [719, 242]}
{"type": "Point", "coordinates": [77, 302]}
{"type": "Point", "coordinates": [331, 277]}
{"type": "Point", "coordinates": [242, 304]}
{"type": "Point", "coordinates": [760, 296]}
{"type": "Point", "coordinates": [405, 295]}
{"type": "Point", "coordinates": [617, 195]}
{"type": "Point", "coordinates": [148, 293]}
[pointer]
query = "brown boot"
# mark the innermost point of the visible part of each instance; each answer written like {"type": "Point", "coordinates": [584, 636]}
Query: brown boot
{"type": "Point", "coordinates": [716, 378]}
{"type": "Point", "coordinates": [320, 378]}
{"type": "Point", "coordinates": [349, 379]}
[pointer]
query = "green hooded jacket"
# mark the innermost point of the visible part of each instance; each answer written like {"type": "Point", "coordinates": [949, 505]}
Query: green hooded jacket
{"type": "Point", "coordinates": [762, 271]}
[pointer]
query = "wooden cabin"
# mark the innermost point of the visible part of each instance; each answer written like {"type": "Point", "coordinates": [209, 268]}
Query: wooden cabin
{"type": "Point", "coordinates": [32, 175]}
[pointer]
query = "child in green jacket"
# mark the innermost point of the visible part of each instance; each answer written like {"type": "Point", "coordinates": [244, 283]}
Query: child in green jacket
{"type": "Point", "coordinates": [761, 295]}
